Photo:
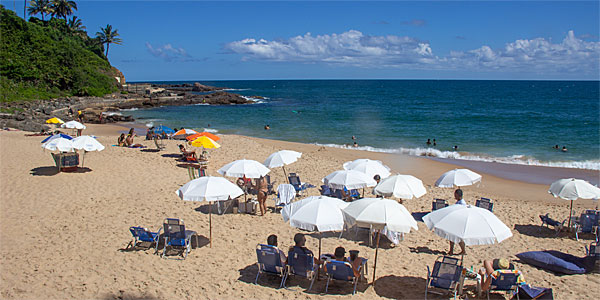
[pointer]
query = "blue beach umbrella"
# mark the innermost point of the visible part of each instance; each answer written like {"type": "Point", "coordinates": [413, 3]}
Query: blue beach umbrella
{"type": "Point", "coordinates": [60, 135]}
{"type": "Point", "coordinates": [160, 129]}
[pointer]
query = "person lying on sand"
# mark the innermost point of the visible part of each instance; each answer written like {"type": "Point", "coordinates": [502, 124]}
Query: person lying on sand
{"type": "Point", "coordinates": [492, 269]}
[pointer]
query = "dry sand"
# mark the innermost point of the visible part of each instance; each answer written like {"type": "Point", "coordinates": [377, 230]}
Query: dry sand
{"type": "Point", "coordinates": [62, 235]}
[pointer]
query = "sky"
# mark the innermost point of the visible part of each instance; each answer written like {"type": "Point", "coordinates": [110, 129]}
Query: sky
{"type": "Point", "coordinates": [247, 40]}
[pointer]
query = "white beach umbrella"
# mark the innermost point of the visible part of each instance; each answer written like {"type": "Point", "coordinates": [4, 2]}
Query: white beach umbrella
{"type": "Point", "coordinates": [73, 125]}
{"type": "Point", "coordinates": [458, 177]}
{"type": "Point", "coordinates": [469, 224]}
{"type": "Point", "coordinates": [369, 167]}
{"type": "Point", "coordinates": [379, 213]}
{"type": "Point", "coordinates": [316, 213]}
{"type": "Point", "coordinates": [349, 179]}
{"type": "Point", "coordinates": [87, 144]}
{"type": "Point", "coordinates": [401, 186]}
{"type": "Point", "coordinates": [244, 168]}
{"type": "Point", "coordinates": [60, 144]}
{"type": "Point", "coordinates": [209, 188]}
{"type": "Point", "coordinates": [281, 159]}
{"type": "Point", "coordinates": [573, 189]}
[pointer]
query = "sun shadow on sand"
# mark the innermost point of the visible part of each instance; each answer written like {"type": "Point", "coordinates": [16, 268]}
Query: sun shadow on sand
{"type": "Point", "coordinates": [248, 275]}
{"type": "Point", "coordinates": [51, 171]}
{"type": "Point", "coordinates": [426, 250]}
{"type": "Point", "coordinates": [537, 231]}
{"type": "Point", "coordinates": [400, 287]}
{"type": "Point", "coordinates": [150, 150]}
{"type": "Point", "coordinates": [171, 155]}
{"type": "Point", "coordinates": [125, 295]}
{"type": "Point", "coordinates": [187, 165]}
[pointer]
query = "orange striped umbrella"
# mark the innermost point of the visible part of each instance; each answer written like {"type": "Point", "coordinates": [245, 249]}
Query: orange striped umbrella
{"type": "Point", "coordinates": [206, 134]}
{"type": "Point", "coordinates": [185, 131]}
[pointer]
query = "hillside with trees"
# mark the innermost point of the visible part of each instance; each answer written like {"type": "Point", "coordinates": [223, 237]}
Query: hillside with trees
{"type": "Point", "coordinates": [49, 58]}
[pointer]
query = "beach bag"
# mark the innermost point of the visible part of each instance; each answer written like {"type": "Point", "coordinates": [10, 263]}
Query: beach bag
{"type": "Point", "coordinates": [533, 292]}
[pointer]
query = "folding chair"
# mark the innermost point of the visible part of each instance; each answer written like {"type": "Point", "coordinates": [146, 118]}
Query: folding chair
{"type": "Point", "coordinates": [297, 183]}
{"type": "Point", "coordinates": [558, 226]}
{"type": "Point", "coordinates": [438, 203]}
{"type": "Point", "coordinates": [269, 262]}
{"type": "Point", "coordinates": [586, 223]}
{"type": "Point", "coordinates": [506, 282]}
{"type": "Point", "coordinates": [445, 275]}
{"type": "Point", "coordinates": [342, 271]}
{"type": "Point", "coordinates": [176, 237]}
{"type": "Point", "coordinates": [302, 265]}
{"type": "Point", "coordinates": [143, 235]}
{"type": "Point", "coordinates": [485, 203]}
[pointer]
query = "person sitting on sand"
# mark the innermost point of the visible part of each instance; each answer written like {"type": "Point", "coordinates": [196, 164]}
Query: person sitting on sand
{"type": "Point", "coordinates": [187, 155]}
{"type": "Point", "coordinates": [121, 140]}
{"type": "Point", "coordinates": [492, 269]}
{"type": "Point", "coordinates": [272, 241]}
{"type": "Point", "coordinates": [458, 195]}
{"type": "Point", "coordinates": [129, 138]}
{"type": "Point", "coordinates": [300, 248]}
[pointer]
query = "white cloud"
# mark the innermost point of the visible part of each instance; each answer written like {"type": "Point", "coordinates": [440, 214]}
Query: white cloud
{"type": "Point", "coordinates": [539, 55]}
{"type": "Point", "coordinates": [168, 52]}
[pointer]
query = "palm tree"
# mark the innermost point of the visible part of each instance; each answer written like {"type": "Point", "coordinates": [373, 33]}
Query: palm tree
{"type": "Point", "coordinates": [42, 7]}
{"type": "Point", "coordinates": [108, 36]}
{"type": "Point", "coordinates": [63, 8]}
{"type": "Point", "coordinates": [75, 24]}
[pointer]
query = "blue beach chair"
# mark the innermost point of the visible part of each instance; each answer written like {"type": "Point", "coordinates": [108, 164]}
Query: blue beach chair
{"type": "Point", "coordinates": [301, 265]}
{"type": "Point", "coordinates": [342, 271]}
{"type": "Point", "coordinates": [297, 183]}
{"type": "Point", "coordinates": [269, 262]}
{"type": "Point", "coordinates": [176, 237]}
{"type": "Point", "coordinates": [506, 282]}
{"type": "Point", "coordinates": [546, 220]}
{"type": "Point", "coordinates": [141, 236]}
{"type": "Point", "coordinates": [445, 275]}
{"type": "Point", "coordinates": [586, 223]}
{"type": "Point", "coordinates": [438, 203]}
{"type": "Point", "coordinates": [326, 191]}
{"type": "Point", "coordinates": [485, 203]}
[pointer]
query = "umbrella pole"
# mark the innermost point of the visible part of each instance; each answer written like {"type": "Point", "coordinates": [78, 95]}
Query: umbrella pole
{"type": "Point", "coordinates": [570, 213]}
{"type": "Point", "coordinates": [285, 174]}
{"type": "Point", "coordinates": [375, 265]}
{"type": "Point", "coordinates": [319, 269]}
{"type": "Point", "coordinates": [210, 223]}
{"type": "Point", "coordinates": [83, 159]}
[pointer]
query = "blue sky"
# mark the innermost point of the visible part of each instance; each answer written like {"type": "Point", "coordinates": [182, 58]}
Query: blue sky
{"type": "Point", "coordinates": [199, 40]}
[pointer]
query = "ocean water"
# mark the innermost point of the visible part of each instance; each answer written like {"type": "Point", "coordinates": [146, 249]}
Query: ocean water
{"type": "Point", "coordinates": [506, 121]}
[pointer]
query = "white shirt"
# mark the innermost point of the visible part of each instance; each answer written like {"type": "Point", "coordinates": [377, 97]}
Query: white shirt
{"type": "Point", "coordinates": [461, 202]}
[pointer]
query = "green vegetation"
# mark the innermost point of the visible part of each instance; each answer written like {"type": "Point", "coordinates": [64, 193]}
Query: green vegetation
{"type": "Point", "coordinates": [49, 59]}
{"type": "Point", "coordinates": [108, 36]}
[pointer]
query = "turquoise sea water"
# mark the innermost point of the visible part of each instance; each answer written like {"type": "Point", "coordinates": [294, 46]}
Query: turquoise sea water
{"type": "Point", "coordinates": [507, 121]}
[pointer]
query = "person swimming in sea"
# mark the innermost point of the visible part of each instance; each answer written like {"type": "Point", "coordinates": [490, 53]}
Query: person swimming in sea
{"type": "Point", "coordinates": [428, 142]}
{"type": "Point", "coordinates": [455, 148]}
{"type": "Point", "coordinates": [355, 145]}
{"type": "Point", "coordinates": [267, 127]}
{"type": "Point", "coordinates": [555, 147]}
{"type": "Point", "coordinates": [564, 149]}
{"type": "Point", "coordinates": [434, 143]}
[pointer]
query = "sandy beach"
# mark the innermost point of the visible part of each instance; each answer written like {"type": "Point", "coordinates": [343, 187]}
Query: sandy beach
{"type": "Point", "coordinates": [62, 235]}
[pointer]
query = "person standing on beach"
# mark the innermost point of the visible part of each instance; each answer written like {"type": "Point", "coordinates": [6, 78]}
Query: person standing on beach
{"type": "Point", "coordinates": [458, 195]}
{"type": "Point", "coordinates": [262, 190]}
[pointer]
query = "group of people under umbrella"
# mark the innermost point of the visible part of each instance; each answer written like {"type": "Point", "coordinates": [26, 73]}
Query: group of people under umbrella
{"type": "Point", "coordinates": [64, 143]}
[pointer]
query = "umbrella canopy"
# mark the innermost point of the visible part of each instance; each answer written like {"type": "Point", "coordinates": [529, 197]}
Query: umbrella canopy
{"type": "Point", "coordinates": [73, 125]}
{"type": "Point", "coordinates": [185, 131]}
{"type": "Point", "coordinates": [458, 177]}
{"type": "Point", "coordinates": [469, 224]}
{"type": "Point", "coordinates": [401, 186]}
{"type": "Point", "coordinates": [55, 136]}
{"type": "Point", "coordinates": [163, 129]}
{"type": "Point", "coordinates": [349, 179]}
{"type": "Point", "coordinates": [205, 142]}
{"type": "Point", "coordinates": [369, 167]}
{"type": "Point", "coordinates": [60, 144]}
{"type": "Point", "coordinates": [244, 168]}
{"type": "Point", "coordinates": [379, 213]}
{"type": "Point", "coordinates": [209, 188]}
{"type": "Point", "coordinates": [87, 143]}
{"type": "Point", "coordinates": [282, 158]}
{"type": "Point", "coordinates": [316, 213]}
{"type": "Point", "coordinates": [204, 133]}
{"type": "Point", "coordinates": [54, 120]}
{"type": "Point", "coordinates": [573, 189]}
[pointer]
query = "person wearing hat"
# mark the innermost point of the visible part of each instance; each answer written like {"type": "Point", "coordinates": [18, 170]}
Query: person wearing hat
{"type": "Point", "coordinates": [492, 269]}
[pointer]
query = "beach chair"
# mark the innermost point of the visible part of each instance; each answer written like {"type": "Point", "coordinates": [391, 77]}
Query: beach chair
{"type": "Point", "coordinates": [342, 271]}
{"type": "Point", "coordinates": [506, 282]}
{"type": "Point", "coordinates": [270, 190]}
{"type": "Point", "coordinates": [558, 226]}
{"type": "Point", "coordinates": [285, 195]}
{"type": "Point", "coordinates": [586, 223]}
{"type": "Point", "coordinates": [297, 183]}
{"type": "Point", "coordinates": [195, 172]}
{"type": "Point", "coordinates": [445, 275]}
{"type": "Point", "coordinates": [438, 203]}
{"type": "Point", "coordinates": [485, 203]}
{"type": "Point", "coordinates": [142, 235]}
{"type": "Point", "coordinates": [326, 191]}
{"type": "Point", "coordinates": [176, 237]}
{"type": "Point", "coordinates": [301, 265]}
{"type": "Point", "coordinates": [269, 262]}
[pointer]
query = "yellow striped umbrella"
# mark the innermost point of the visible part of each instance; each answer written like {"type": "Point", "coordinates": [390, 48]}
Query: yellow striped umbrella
{"type": "Point", "coordinates": [205, 142]}
{"type": "Point", "coordinates": [55, 120]}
